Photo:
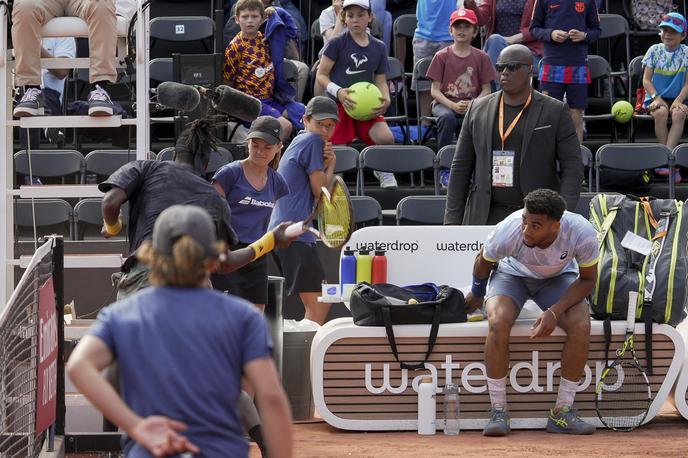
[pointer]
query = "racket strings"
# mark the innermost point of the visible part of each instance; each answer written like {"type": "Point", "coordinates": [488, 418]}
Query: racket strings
{"type": "Point", "coordinates": [335, 221]}
{"type": "Point", "coordinates": [624, 396]}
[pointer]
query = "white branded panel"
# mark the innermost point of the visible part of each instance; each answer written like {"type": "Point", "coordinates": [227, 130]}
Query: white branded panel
{"type": "Point", "coordinates": [418, 254]}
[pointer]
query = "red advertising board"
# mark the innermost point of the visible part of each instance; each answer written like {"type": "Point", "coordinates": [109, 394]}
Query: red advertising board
{"type": "Point", "coordinates": [46, 408]}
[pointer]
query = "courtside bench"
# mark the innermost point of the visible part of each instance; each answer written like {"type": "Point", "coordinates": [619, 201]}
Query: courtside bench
{"type": "Point", "coordinates": [358, 385]}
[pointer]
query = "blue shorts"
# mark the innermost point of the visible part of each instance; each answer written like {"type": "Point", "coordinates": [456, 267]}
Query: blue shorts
{"type": "Point", "coordinates": [576, 94]}
{"type": "Point", "coordinates": [544, 292]}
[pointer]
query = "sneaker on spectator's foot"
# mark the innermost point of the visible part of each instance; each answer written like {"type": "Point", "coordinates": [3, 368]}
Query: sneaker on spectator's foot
{"type": "Point", "coordinates": [567, 421]}
{"type": "Point", "coordinates": [32, 103]}
{"type": "Point", "coordinates": [387, 180]}
{"type": "Point", "coordinates": [99, 103]}
{"type": "Point", "coordinates": [444, 178]}
{"type": "Point", "coordinates": [677, 176]}
{"type": "Point", "coordinates": [662, 171]}
{"type": "Point", "coordinates": [499, 424]}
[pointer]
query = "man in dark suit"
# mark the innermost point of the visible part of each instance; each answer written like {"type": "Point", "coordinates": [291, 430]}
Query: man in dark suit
{"type": "Point", "coordinates": [512, 142]}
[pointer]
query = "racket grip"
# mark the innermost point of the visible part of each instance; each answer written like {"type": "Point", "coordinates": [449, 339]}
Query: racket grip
{"type": "Point", "coordinates": [294, 230]}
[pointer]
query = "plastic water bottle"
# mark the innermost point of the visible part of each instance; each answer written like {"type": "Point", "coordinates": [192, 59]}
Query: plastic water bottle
{"type": "Point", "coordinates": [452, 410]}
{"type": "Point", "coordinates": [379, 267]}
{"type": "Point", "coordinates": [426, 407]}
{"type": "Point", "coordinates": [364, 266]}
{"type": "Point", "coordinates": [348, 268]}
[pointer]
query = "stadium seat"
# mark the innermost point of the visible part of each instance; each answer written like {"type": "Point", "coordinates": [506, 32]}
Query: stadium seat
{"type": "Point", "coordinates": [88, 220]}
{"type": "Point", "coordinates": [419, 73]}
{"type": "Point", "coordinates": [586, 157]}
{"type": "Point", "coordinates": [399, 97]}
{"type": "Point", "coordinates": [443, 161]}
{"type": "Point", "coordinates": [395, 159]}
{"type": "Point", "coordinates": [367, 211]}
{"type": "Point", "coordinates": [402, 31]}
{"type": "Point", "coordinates": [600, 71]}
{"type": "Point", "coordinates": [632, 157]}
{"type": "Point", "coordinates": [217, 160]}
{"type": "Point", "coordinates": [679, 159]}
{"type": "Point", "coordinates": [67, 165]}
{"type": "Point", "coordinates": [103, 162]}
{"type": "Point", "coordinates": [183, 29]}
{"type": "Point", "coordinates": [415, 210]}
{"type": "Point", "coordinates": [615, 26]}
{"type": "Point", "coordinates": [51, 216]}
{"type": "Point", "coordinates": [347, 161]}
{"type": "Point", "coordinates": [635, 79]}
{"type": "Point", "coordinates": [315, 38]}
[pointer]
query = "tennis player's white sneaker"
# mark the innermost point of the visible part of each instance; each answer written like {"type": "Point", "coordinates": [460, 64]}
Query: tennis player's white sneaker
{"type": "Point", "coordinates": [567, 421]}
{"type": "Point", "coordinates": [499, 424]}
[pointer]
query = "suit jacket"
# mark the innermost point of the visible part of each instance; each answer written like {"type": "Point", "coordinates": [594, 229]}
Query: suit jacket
{"type": "Point", "coordinates": [549, 139]}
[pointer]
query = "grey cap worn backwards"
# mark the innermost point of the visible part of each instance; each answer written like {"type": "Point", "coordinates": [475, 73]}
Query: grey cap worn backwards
{"type": "Point", "coordinates": [321, 107]}
{"type": "Point", "coordinates": [266, 128]}
{"type": "Point", "coordinates": [179, 220]}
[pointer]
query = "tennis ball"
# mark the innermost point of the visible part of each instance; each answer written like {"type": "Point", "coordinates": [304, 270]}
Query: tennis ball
{"type": "Point", "coordinates": [412, 301]}
{"type": "Point", "coordinates": [622, 111]}
{"type": "Point", "coordinates": [367, 97]}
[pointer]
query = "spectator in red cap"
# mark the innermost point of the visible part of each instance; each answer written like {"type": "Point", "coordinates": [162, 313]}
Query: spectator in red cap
{"type": "Point", "coordinates": [459, 74]}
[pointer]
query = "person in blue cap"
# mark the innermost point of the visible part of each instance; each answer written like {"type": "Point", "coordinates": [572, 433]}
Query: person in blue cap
{"type": "Point", "coordinates": [665, 83]}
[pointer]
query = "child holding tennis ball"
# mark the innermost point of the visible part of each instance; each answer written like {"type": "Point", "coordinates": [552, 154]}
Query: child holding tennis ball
{"type": "Point", "coordinates": [353, 57]}
{"type": "Point", "coordinates": [307, 165]}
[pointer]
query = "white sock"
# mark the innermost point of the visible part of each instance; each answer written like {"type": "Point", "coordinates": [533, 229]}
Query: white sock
{"type": "Point", "coordinates": [567, 391]}
{"type": "Point", "coordinates": [497, 389]}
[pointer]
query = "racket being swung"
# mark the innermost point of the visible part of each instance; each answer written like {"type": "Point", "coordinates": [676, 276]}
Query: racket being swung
{"type": "Point", "coordinates": [623, 394]}
{"type": "Point", "coordinates": [334, 213]}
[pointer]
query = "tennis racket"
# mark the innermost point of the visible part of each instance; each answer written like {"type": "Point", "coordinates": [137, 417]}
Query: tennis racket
{"type": "Point", "coordinates": [623, 394]}
{"type": "Point", "coordinates": [335, 216]}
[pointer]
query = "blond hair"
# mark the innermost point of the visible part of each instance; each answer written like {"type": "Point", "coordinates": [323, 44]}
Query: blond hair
{"type": "Point", "coordinates": [188, 265]}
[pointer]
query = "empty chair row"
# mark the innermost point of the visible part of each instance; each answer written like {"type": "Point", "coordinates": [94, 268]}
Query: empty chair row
{"type": "Point", "coordinates": [56, 216]}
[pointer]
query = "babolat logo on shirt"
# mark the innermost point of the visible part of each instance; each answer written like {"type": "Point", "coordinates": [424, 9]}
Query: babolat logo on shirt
{"type": "Point", "coordinates": [248, 200]}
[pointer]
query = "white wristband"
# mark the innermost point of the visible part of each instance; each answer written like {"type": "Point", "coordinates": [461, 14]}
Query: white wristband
{"type": "Point", "coordinates": [333, 88]}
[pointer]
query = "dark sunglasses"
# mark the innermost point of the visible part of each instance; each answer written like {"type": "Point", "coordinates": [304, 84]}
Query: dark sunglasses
{"type": "Point", "coordinates": [511, 66]}
{"type": "Point", "coordinates": [673, 20]}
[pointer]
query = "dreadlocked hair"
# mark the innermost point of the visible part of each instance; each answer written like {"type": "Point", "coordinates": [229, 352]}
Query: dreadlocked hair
{"type": "Point", "coordinates": [198, 141]}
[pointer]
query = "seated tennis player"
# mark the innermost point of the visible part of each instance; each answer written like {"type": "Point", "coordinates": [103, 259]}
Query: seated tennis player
{"type": "Point", "coordinates": [182, 349]}
{"type": "Point", "coordinates": [548, 255]}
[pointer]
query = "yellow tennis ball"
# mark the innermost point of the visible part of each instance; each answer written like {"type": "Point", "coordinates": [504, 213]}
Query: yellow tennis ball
{"type": "Point", "coordinates": [367, 98]}
{"type": "Point", "coordinates": [412, 301]}
{"type": "Point", "coordinates": [622, 111]}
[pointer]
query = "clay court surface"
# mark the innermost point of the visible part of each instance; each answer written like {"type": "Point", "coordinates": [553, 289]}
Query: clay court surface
{"type": "Point", "coordinates": [666, 436]}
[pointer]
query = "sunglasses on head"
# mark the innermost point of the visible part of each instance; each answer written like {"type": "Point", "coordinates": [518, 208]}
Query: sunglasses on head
{"type": "Point", "coordinates": [674, 20]}
{"type": "Point", "coordinates": [511, 66]}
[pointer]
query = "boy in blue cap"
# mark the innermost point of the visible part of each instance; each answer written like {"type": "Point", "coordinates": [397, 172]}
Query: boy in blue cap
{"type": "Point", "coordinates": [665, 83]}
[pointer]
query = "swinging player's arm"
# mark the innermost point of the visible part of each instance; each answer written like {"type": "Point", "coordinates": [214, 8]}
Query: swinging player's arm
{"type": "Point", "coordinates": [575, 294]}
{"type": "Point", "coordinates": [111, 204]}
{"type": "Point", "coordinates": [481, 273]}
{"type": "Point", "coordinates": [236, 259]}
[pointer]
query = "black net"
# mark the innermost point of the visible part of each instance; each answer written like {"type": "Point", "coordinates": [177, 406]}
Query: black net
{"type": "Point", "coordinates": [19, 359]}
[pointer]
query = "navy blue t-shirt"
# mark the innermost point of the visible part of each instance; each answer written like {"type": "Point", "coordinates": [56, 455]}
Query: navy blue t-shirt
{"type": "Point", "coordinates": [303, 157]}
{"type": "Point", "coordinates": [181, 353]}
{"type": "Point", "coordinates": [354, 63]}
{"type": "Point", "coordinates": [251, 208]}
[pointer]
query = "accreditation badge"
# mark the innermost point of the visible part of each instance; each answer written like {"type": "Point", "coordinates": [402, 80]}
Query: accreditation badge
{"type": "Point", "coordinates": [503, 168]}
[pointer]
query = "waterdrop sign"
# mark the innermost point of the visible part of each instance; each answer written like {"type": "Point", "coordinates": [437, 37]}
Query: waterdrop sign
{"type": "Point", "coordinates": [46, 408]}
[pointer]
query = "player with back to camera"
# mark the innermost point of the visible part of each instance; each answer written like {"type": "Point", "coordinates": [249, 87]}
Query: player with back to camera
{"type": "Point", "coordinates": [351, 57]}
{"type": "Point", "coordinates": [549, 255]}
{"type": "Point", "coordinates": [251, 187]}
{"type": "Point", "coordinates": [180, 393]}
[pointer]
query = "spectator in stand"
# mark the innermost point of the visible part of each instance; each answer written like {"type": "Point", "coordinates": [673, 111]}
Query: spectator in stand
{"type": "Point", "coordinates": [249, 67]}
{"type": "Point", "coordinates": [28, 16]}
{"type": "Point", "coordinates": [349, 58]}
{"type": "Point", "coordinates": [431, 36]}
{"type": "Point", "coordinates": [507, 22]}
{"type": "Point", "coordinates": [566, 27]}
{"type": "Point", "coordinates": [290, 50]}
{"type": "Point", "coordinates": [459, 74]}
{"type": "Point", "coordinates": [665, 83]}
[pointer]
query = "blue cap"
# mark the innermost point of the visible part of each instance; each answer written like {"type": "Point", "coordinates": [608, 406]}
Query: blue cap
{"type": "Point", "coordinates": [674, 20]}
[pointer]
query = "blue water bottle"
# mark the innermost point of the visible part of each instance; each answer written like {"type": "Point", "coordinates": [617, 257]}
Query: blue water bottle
{"type": "Point", "coordinates": [347, 273]}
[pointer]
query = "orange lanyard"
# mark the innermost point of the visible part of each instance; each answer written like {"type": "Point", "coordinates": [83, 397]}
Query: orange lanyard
{"type": "Point", "coordinates": [504, 135]}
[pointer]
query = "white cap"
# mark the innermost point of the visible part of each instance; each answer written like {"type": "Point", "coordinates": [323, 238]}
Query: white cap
{"type": "Point", "coordinates": [365, 4]}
